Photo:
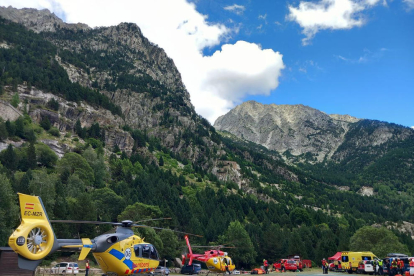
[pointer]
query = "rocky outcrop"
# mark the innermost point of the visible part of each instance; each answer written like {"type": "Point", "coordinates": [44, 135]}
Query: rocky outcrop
{"type": "Point", "coordinates": [366, 191]}
{"type": "Point", "coordinates": [69, 112]}
{"type": "Point", "coordinates": [38, 20]}
{"type": "Point", "coordinates": [8, 112]}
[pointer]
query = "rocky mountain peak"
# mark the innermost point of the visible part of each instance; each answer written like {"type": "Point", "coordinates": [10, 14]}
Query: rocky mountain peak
{"type": "Point", "coordinates": [38, 20]}
{"type": "Point", "coordinates": [345, 118]}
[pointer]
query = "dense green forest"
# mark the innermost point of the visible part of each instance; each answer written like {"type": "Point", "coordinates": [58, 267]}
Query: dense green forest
{"type": "Point", "coordinates": [280, 210]}
{"type": "Point", "coordinates": [86, 185]}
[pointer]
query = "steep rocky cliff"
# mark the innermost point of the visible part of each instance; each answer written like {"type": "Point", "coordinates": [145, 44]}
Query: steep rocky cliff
{"type": "Point", "coordinates": [135, 74]}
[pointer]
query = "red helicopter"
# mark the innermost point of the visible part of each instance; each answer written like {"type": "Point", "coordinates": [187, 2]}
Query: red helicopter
{"type": "Point", "coordinates": [216, 260]}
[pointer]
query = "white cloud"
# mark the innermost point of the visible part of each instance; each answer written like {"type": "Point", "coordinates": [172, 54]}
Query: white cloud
{"type": "Point", "coordinates": [329, 14]}
{"type": "Point", "coordinates": [233, 74]}
{"type": "Point", "coordinates": [237, 9]}
{"type": "Point", "coordinates": [216, 83]}
{"type": "Point", "coordinates": [262, 16]}
{"type": "Point", "coordinates": [368, 56]}
{"type": "Point", "coordinates": [409, 3]}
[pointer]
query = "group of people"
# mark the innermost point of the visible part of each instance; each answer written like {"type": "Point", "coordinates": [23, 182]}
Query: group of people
{"type": "Point", "coordinates": [396, 267]}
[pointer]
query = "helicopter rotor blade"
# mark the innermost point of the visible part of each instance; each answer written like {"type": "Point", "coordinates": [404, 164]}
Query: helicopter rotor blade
{"type": "Point", "coordinates": [87, 222]}
{"type": "Point", "coordinates": [150, 220]}
{"type": "Point", "coordinates": [213, 246]}
{"type": "Point", "coordinates": [160, 228]}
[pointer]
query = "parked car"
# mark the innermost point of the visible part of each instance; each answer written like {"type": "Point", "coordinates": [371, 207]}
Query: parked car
{"type": "Point", "coordinates": [290, 264]}
{"type": "Point", "coordinates": [366, 267]}
{"type": "Point", "coordinates": [191, 269]}
{"type": "Point", "coordinates": [65, 268]}
{"type": "Point", "coordinates": [162, 270]}
{"type": "Point", "coordinates": [235, 272]}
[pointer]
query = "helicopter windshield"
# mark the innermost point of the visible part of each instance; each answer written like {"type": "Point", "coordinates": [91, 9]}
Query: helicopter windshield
{"type": "Point", "coordinates": [146, 251]}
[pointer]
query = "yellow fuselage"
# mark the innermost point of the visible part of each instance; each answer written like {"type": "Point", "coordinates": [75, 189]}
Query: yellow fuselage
{"type": "Point", "coordinates": [126, 258]}
{"type": "Point", "coordinates": [218, 265]}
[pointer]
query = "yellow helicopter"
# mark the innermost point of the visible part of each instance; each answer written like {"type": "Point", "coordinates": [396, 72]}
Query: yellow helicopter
{"type": "Point", "coordinates": [119, 253]}
{"type": "Point", "coordinates": [216, 260]}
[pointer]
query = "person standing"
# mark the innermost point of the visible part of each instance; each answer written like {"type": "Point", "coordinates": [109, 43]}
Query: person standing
{"type": "Point", "coordinates": [375, 266]}
{"type": "Point", "coordinates": [388, 265]}
{"type": "Point", "coordinates": [266, 266]}
{"type": "Point", "coordinates": [380, 267]}
{"type": "Point", "coordinates": [412, 266]}
{"type": "Point", "coordinates": [226, 265]}
{"type": "Point", "coordinates": [87, 268]}
{"type": "Point", "coordinates": [394, 266]}
{"type": "Point", "coordinates": [323, 265]}
{"type": "Point", "coordinates": [282, 266]}
{"type": "Point", "coordinates": [401, 266]}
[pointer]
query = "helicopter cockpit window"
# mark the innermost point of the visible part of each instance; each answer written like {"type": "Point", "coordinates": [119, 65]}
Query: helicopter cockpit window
{"type": "Point", "coordinates": [146, 251]}
{"type": "Point", "coordinates": [137, 249]}
{"type": "Point", "coordinates": [153, 253]}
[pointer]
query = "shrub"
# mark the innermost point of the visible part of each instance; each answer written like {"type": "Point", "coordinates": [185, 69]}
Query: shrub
{"type": "Point", "coordinates": [54, 131]}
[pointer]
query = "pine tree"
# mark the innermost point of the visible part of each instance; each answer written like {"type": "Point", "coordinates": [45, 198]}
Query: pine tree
{"type": "Point", "coordinates": [11, 128]}
{"type": "Point", "coordinates": [15, 100]}
{"type": "Point", "coordinates": [10, 158]}
{"type": "Point", "coordinates": [78, 128]}
{"type": "Point", "coordinates": [3, 131]}
{"type": "Point", "coordinates": [20, 127]}
{"type": "Point", "coordinates": [25, 181]}
{"type": "Point", "coordinates": [31, 156]}
{"type": "Point", "coordinates": [161, 161]}
{"type": "Point", "coordinates": [45, 123]}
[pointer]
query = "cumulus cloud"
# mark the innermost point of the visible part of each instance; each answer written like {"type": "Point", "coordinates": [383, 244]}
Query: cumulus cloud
{"type": "Point", "coordinates": [215, 83]}
{"type": "Point", "coordinates": [329, 14]}
{"type": "Point", "coordinates": [233, 74]}
{"type": "Point", "coordinates": [237, 9]}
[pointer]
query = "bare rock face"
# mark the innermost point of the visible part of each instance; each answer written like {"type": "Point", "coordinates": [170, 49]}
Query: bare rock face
{"type": "Point", "coordinates": [8, 112]}
{"type": "Point", "coordinates": [38, 21]}
{"type": "Point", "coordinates": [69, 112]}
{"type": "Point", "coordinates": [296, 129]}
{"type": "Point", "coordinates": [302, 133]}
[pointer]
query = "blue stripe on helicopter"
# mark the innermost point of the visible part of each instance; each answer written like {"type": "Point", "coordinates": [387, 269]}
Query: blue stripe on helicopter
{"type": "Point", "coordinates": [128, 263]}
{"type": "Point", "coordinates": [88, 245]}
{"type": "Point", "coordinates": [117, 254]}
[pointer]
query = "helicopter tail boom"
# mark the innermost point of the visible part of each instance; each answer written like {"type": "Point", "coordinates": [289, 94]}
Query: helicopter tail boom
{"type": "Point", "coordinates": [190, 252]}
{"type": "Point", "coordinates": [34, 239]}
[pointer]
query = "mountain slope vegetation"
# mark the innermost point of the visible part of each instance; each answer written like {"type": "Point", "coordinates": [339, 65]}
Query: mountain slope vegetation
{"type": "Point", "coordinates": [157, 157]}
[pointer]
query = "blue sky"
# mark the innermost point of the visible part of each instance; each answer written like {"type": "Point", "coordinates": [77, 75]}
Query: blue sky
{"type": "Point", "coordinates": [366, 71]}
{"type": "Point", "coordinates": [339, 56]}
